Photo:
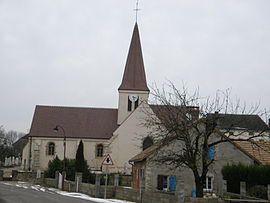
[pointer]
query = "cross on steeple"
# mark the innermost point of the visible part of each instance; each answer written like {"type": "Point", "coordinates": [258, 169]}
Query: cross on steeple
{"type": "Point", "coordinates": [137, 9]}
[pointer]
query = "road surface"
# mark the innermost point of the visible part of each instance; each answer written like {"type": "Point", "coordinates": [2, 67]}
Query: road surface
{"type": "Point", "coordinates": [10, 193]}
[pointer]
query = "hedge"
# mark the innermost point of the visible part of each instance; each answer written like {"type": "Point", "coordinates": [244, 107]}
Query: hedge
{"type": "Point", "coordinates": [251, 174]}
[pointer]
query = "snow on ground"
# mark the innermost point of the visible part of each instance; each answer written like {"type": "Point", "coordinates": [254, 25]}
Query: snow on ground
{"type": "Point", "coordinates": [26, 185]}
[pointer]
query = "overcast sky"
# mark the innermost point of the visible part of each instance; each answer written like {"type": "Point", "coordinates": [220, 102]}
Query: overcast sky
{"type": "Point", "coordinates": [73, 53]}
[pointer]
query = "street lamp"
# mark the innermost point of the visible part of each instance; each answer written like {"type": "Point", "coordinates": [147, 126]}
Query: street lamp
{"type": "Point", "coordinates": [56, 129]}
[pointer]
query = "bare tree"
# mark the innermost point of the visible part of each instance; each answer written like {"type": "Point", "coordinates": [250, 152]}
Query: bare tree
{"type": "Point", "coordinates": [193, 121]}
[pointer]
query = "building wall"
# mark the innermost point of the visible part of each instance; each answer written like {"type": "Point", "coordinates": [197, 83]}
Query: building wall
{"type": "Point", "coordinates": [225, 153]}
{"type": "Point", "coordinates": [127, 140]}
{"type": "Point", "coordinates": [244, 134]}
{"type": "Point", "coordinates": [40, 159]}
{"type": "Point", "coordinates": [123, 112]}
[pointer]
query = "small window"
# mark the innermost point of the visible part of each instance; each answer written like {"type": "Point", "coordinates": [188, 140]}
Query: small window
{"type": "Point", "coordinates": [166, 183]}
{"type": "Point", "coordinates": [136, 103]}
{"type": "Point", "coordinates": [208, 184]}
{"type": "Point", "coordinates": [99, 150]}
{"type": "Point", "coordinates": [162, 182]}
{"type": "Point", "coordinates": [250, 133]}
{"type": "Point", "coordinates": [147, 142]}
{"type": "Point", "coordinates": [51, 149]}
{"type": "Point", "coordinates": [129, 105]}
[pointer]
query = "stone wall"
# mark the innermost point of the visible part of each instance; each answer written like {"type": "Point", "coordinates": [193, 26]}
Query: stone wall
{"type": "Point", "coordinates": [130, 194]}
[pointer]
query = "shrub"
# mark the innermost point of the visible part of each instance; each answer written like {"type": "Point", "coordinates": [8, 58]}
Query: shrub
{"type": "Point", "coordinates": [258, 191]}
{"type": "Point", "coordinates": [57, 165]}
{"type": "Point", "coordinates": [251, 174]}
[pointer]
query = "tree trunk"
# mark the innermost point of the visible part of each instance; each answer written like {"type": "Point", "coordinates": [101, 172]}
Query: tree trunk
{"type": "Point", "coordinates": [199, 187]}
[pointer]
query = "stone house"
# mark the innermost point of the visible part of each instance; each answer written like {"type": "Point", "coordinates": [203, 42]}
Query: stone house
{"type": "Point", "coordinates": [243, 126]}
{"type": "Point", "coordinates": [154, 176]}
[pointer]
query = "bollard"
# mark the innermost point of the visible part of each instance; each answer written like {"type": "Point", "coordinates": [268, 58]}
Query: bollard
{"type": "Point", "coordinates": [14, 175]}
{"type": "Point", "coordinates": [78, 181]}
{"type": "Point", "coordinates": [97, 183]}
{"type": "Point", "coordinates": [116, 180]}
{"type": "Point", "coordinates": [56, 178]}
{"type": "Point", "coordinates": [243, 191]}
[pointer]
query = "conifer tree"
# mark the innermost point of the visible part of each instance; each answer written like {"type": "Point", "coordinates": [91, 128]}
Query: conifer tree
{"type": "Point", "coordinates": [80, 163]}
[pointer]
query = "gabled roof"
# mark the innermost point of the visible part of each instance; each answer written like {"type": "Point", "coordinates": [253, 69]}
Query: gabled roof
{"type": "Point", "coordinates": [146, 153]}
{"type": "Point", "coordinates": [134, 75]}
{"type": "Point", "coordinates": [93, 123]}
{"type": "Point", "coordinates": [241, 121]}
{"type": "Point", "coordinates": [257, 150]}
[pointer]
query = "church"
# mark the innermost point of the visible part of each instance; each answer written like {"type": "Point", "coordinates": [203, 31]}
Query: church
{"type": "Point", "coordinates": [57, 131]}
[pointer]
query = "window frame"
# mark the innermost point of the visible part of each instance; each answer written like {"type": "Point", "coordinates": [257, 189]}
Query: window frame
{"type": "Point", "coordinates": [50, 149]}
{"type": "Point", "coordinates": [99, 150]}
{"type": "Point", "coordinates": [206, 186]}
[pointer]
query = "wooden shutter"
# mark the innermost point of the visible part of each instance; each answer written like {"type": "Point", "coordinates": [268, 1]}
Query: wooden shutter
{"type": "Point", "coordinates": [172, 186]}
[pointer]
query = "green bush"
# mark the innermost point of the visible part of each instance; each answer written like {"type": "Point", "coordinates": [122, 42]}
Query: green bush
{"type": "Point", "coordinates": [251, 174]}
{"type": "Point", "coordinates": [258, 191]}
{"type": "Point", "coordinates": [57, 165]}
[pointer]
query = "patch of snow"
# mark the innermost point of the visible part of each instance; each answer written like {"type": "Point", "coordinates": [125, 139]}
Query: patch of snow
{"type": "Point", "coordinates": [86, 197]}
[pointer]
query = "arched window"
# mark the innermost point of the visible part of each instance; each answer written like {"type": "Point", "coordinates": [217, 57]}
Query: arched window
{"type": "Point", "coordinates": [51, 148]}
{"type": "Point", "coordinates": [147, 142]}
{"type": "Point", "coordinates": [99, 150]}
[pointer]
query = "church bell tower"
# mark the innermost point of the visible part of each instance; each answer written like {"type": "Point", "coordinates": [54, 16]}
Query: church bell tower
{"type": "Point", "coordinates": [133, 89]}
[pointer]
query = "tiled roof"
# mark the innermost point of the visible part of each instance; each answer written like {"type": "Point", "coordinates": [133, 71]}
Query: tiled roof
{"type": "Point", "coordinates": [241, 121]}
{"type": "Point", "coordinates": [144, 154]}
{"type": "Point", "coordinates": [134, 75]}
{"type": "Point", "coordinates": [257, 150]}
{"type": "Point", "coordinates": [95, 123]}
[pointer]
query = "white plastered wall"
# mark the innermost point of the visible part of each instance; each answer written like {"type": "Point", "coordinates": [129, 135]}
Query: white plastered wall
{"type": "Point", "coordinates": [39, 146]}
{"type": "Point", "coordinates": [127, 140]}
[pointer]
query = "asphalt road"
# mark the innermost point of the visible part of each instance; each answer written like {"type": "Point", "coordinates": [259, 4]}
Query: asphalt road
{"type": "Point", "coordinates": [13, 194]}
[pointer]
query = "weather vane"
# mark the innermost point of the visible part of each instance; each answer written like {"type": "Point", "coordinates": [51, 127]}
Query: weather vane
{"type": "Point", "coordinates": [137, 9]}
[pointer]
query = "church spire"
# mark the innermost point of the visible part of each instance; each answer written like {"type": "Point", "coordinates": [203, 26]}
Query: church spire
{"type": "Point", "coordinates": [134, 75]}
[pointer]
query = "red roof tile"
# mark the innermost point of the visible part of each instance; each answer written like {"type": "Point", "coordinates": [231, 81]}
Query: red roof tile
{"type": "Point", "coordinates": [257, 150]}
{"type": "Point", "coordinates": [94, 123]}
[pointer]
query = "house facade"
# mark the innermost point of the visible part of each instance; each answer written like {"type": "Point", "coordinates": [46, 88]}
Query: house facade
{"type": "Point", "coordinates": [151, 175]}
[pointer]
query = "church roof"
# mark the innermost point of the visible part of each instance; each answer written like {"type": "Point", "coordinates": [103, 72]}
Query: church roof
{"type": "Point", "coordinates": [134, 75]}
{"type": "Point", "coordinates": [93, 123]}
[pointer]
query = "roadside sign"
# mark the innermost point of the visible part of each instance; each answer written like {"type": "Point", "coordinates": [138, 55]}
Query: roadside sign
{"type": "Point", "coordinates": [107, 161]}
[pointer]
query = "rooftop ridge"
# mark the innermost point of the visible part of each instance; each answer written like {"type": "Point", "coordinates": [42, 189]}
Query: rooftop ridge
{"type": "Point", "coordinates": [75, 107]}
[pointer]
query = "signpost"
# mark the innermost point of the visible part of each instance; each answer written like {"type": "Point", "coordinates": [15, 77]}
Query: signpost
{"type": "Point", "coordinates": [107, 162]}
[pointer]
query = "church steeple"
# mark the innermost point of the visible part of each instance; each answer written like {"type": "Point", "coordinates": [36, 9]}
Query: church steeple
{"type": "Point", "coordinates": [133, 89]}
{"type": "Point", "coordinates": [134, 75]}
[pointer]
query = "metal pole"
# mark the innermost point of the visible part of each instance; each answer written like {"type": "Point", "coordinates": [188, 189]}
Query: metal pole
{"type": "Point", "coordinates": [106, 182]}
{"type": "Point", "coordinates": [64, 164]}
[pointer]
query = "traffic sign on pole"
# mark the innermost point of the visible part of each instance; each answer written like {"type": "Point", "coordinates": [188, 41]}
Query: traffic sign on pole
{"type": "Point", "coordinates": [107, 161]}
